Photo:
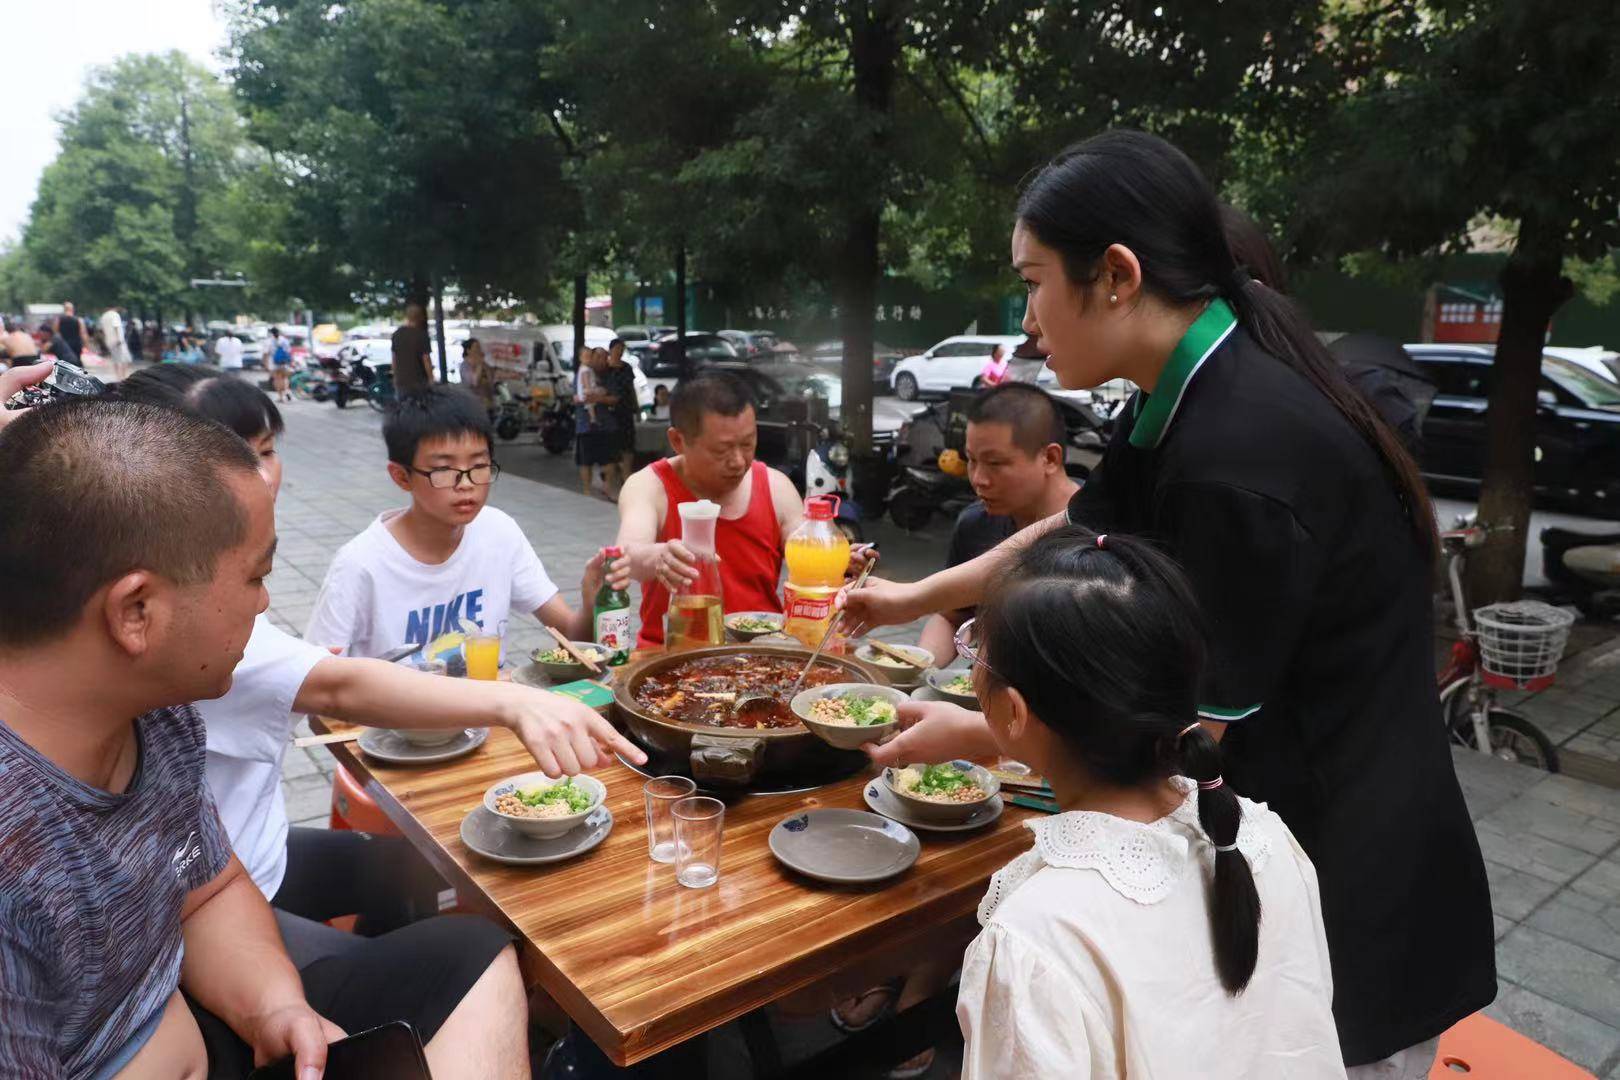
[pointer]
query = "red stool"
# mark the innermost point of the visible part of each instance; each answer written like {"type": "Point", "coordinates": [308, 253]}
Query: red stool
{"type": "Point", "coordinates": [353, 809]}
{"type": "Point", "coordinates": [1483, 1049]}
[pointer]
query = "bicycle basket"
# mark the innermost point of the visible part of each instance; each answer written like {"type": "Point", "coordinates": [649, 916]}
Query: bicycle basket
{"type": "Point", "coordinates": [1522, 642]}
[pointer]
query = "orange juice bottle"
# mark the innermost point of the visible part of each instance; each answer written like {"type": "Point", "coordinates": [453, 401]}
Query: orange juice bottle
{"type": "Point", "coordinates": [817, 558]}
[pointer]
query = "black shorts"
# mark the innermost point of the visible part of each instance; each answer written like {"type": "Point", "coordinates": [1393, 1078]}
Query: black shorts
{"type": "Point", "coordinates": [418, 974]}
{"type": "Point", "coordinates": [596, 448]}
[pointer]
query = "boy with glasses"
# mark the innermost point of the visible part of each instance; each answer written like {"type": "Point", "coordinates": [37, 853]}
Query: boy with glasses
{"type": "Point", "coordinates": [447, 559]}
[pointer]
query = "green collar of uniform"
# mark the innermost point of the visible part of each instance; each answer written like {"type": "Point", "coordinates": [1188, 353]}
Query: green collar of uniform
{"type": "Point", "coordinates": [1202, 338]}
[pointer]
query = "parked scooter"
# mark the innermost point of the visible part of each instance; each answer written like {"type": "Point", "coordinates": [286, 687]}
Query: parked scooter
{"type": "Point", "coordinates": [1584, 568]}
{"type": "Point", "coordinates": [343, 378]}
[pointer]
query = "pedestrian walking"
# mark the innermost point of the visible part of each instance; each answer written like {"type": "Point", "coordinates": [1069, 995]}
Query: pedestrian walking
{"type": "Point", "coordinates": [228, 351]}
{"type": "Point", "coordinates": [72, 333]}
{"type": "Point", "coordinates": [279, 363]}
{"type": "Point", "coordinates": [596, 441]}
{"type": "Point", "coordinates": [413, 367]}
{"type": "Point", "coordinates": [619, 379]}
{"type": "Point", "coordinates": [112, 336]}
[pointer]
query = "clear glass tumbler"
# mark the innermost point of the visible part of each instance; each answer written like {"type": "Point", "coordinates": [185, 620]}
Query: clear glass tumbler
{"type": "Point", "coordinates": [662, 793]}
{"type": "Point", "coordinates": [699, 821]}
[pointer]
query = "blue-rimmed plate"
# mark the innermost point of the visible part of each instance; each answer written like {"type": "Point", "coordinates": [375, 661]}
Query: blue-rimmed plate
{"type": "Point", "coordinates": [845, 847]}
{"type": "Point", "coordinates": [882, 799]}
{"type": "Point", "coordinates": [493, 838]}
{"type": "Point", "coordinates": [386, 744]}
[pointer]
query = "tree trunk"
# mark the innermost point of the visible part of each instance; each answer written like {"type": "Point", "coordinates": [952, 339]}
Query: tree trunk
{"type": "Point", "coordinates": [680, 305]}
{"type": "Point", "coordinates": [874, 58]}
{"type": "Point", "coordinates": [438, 327]}
{"type": "Point", "coordinates": [185, 216]}
{"type": "Point", "coordinates": [1533, 289]}
{"type": "Point", "coordinates": [579, 316]}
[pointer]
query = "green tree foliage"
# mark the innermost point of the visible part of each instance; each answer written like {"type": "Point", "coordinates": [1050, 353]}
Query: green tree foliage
{"type": "Point", "coordinates": [134, 204]}
{"type": "Point", "coordinates": [413, 137]}
{"type": "Point", "coordinates": [1453, 111]}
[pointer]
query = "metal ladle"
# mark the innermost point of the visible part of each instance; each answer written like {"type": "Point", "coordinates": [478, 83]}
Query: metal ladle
{"type": "Point", "coordinates": [747, 700]}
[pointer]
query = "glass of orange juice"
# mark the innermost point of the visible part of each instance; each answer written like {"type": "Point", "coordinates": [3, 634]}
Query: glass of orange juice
{"type": "Point", "coordinates": [483, 652]}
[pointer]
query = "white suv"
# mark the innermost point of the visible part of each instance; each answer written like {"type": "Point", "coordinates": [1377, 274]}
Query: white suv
{"type": "Point", "coordinates": [953, 364]}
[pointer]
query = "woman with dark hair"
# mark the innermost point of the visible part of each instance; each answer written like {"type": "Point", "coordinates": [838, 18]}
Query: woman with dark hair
{"type": "Point", "coordinates": [1160, 920]}
{"type": "Point", "coordinates": [1309, 540]}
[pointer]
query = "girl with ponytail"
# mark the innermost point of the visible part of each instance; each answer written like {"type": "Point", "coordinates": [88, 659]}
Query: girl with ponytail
{"type": "Point", "coordinates": [1161, 925]}
{"type": "Point", "coordinates": [1307, 538]}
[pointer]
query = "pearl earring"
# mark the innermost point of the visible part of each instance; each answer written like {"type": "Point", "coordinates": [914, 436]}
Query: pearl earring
{"type": "Point", "coordinates": [1113, 298]}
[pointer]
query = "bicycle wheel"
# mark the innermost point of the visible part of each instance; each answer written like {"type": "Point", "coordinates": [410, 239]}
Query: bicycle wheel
{"type": "Point", "coordinates": [1514, 738]}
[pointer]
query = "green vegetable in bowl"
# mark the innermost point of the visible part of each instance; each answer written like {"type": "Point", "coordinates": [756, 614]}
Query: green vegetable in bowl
{"type": "Point", "coordinates": [555, 656]}
{"type": "Point", "coordinates": [869, 711]}
{"type": "Point", "coordinates": [753, 624]}
{"type": "Point", "coordinates": [962, 684]}
{"type": "Point", "coordinates": [941, 780]}
{"type": "Point", "coordinates": [576, 797]}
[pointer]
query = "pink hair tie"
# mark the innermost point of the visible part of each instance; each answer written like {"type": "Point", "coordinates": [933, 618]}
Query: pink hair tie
{"type": "Point", "coordinates": [1210, 785]}
{"type": "Point", "coordinates": [1102, 542]}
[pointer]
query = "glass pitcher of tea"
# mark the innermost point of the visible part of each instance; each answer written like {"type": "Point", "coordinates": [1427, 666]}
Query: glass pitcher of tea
{"type": "Point", "coordinates": [696, 616]}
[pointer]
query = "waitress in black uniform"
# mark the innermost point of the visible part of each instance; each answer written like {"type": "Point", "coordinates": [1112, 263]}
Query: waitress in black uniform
{"type": "Point", "coordinates": [1309, 538]}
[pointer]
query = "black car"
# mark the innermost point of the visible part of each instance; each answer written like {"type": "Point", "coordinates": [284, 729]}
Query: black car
{"type": "Point", "coordinates": [883, 359]}
{"type": "Point", "coordinates": [1577, 424]}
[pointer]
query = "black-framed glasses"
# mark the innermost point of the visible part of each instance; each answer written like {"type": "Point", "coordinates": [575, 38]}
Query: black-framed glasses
{"type": "Point", "coordinates": [968, 644]}
{"type": "Point", "coordinates": [480, 475]}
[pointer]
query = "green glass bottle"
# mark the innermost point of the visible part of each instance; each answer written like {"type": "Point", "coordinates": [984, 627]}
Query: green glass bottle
{"type": "Point", "coordinates": [610, 614]}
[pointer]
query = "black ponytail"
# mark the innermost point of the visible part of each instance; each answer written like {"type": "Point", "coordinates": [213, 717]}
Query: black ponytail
{"type": "Point", "coordinates": [1102, 638]}
{"type": "Point", "coordinates": [1234, 902]}
{"type": "Point", "coordinates": [1135, 189]}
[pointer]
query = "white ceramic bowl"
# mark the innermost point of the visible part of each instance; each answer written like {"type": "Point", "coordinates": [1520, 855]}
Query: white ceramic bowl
{"type": "Point", "coordinates": [429, 736]}
{"type": "Point", "coordinates": [847, 736]}
{"type": "Point", "coordinates": [902, 675]}
{"type": "Point", "coordinates": [938, 677]}
{"type": "Point", "coordinates": [544, 828]}
{"type": "Point", "coordinates": [749, 635]}
{"type": "Point", "coordinates": [944, 813]}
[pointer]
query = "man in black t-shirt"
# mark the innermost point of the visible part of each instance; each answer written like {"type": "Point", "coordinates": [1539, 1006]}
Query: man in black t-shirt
{"type": "Point", "coordinates": [413, 367]}
{"type": "Point", "coordinates": [67, 324]}
{"type": "Point", "coordinates": [1015, 439]}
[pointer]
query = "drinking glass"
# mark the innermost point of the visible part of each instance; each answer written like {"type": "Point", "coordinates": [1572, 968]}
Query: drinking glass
{"type": "Point", "coordinates": [699, 821]}
{"type": "Point", "coordinates": [483, 652]}
{"type": "Point", "coordinates": [662, 793]}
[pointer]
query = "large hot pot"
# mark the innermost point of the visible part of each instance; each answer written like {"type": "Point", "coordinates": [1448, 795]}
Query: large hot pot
{"type": "Point", "coordinates": [736, 757]}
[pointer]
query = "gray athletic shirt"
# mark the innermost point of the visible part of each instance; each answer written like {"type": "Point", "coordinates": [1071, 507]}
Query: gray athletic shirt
{"type": "Point", "coordinates": [91, 886]}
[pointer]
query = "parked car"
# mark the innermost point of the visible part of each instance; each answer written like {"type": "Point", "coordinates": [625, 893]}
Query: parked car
{"type": "Point", "coordinates": [642, 332]}
{"type": "Point", "coordinates": [884, 358]}
{"type": "Point", "coordinates": [760, 345]}
{"type": "Point", "coordinates": [953, 364]}
{"type": "Point", "coordinates": [1594, 358]}
{"type": "Point", "coordinates": [1577, 424]}
{"type": "Point", "coordinates": [661, 361]}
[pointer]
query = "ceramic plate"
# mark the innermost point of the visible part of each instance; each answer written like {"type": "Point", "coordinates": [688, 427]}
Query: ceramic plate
{"type": "Point", "coordinates": [928, 693]}
{"type": "Point", "coordinates": [845, 847]}
{"type": "Point", "coordinates": [880, 798]}
{"type": "Point", "coordinates": [492, 838]}
{"type": "Point", "coordinates": [385, 744]}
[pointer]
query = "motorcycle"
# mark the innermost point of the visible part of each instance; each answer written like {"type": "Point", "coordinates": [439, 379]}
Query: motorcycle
{"type": "Point", "coordinates": [1584, 569]}
{"type": "Point", "coordinates": [519, 407]}
{"type": "Point", "coordinates": [343, 378]}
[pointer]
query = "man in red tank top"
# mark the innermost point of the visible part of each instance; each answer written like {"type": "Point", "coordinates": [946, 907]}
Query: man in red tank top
{"type": "Point", "coordinates": [713, 434]}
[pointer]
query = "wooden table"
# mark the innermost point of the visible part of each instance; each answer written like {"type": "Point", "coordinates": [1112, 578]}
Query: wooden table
{"type": "Point", "coordinates": [641, 963]}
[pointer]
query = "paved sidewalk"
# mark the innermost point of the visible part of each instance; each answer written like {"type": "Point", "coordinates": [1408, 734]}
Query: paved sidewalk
{"type": "Point", "coordinates": [1552, 843]}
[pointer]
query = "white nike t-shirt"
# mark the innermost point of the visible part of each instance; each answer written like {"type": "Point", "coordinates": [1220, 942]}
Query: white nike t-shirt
{"type": "Point", "coordinates": [376, 597]}
{"type": "Point", "coordinates": [249, 731]}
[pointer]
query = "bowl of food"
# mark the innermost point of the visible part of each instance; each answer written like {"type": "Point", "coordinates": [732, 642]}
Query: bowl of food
{"type": "Point", "coordinates": [543, 807]}
{"type": "Point", "coordinates": [560, 667]}
{"type": "Point", "coordinates": [954, 685]}
{"type": "Point", "coordinates": [849, 715]}
{"type": "Point", "coordinates": [946, 794]}
{"type": "Point", "coordinates": [748, 625]}
{"type": "Point", "coordinates": [898, 672]}
{"type": "Point", "coordinates": [429, 736]}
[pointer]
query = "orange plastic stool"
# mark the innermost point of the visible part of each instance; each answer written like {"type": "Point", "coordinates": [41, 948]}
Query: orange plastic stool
{"type": "Point", "coordinates": [353, 809]}
{"type": "Point", "coordinates": [1483, 1049]}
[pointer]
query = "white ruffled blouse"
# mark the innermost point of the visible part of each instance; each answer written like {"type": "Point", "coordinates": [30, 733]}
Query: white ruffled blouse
{"type": "Point", "coordinates": [1096, 957]}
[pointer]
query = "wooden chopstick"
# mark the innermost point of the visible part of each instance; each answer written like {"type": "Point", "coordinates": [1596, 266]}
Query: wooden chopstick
{"type": "Point", "coordinates": [568, 647]}
{"type": "Point", "coordinates": [329, 738]}
{"type": "Point", "coordinates": [889, 650]}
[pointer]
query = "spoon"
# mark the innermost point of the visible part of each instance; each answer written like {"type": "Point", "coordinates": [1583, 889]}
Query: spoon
{"type": "Point", "coordinates": [832, 627]}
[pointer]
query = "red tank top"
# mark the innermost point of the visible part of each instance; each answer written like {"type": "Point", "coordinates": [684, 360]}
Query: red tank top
{"type": "Point", "coordinates": [750, 550]}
